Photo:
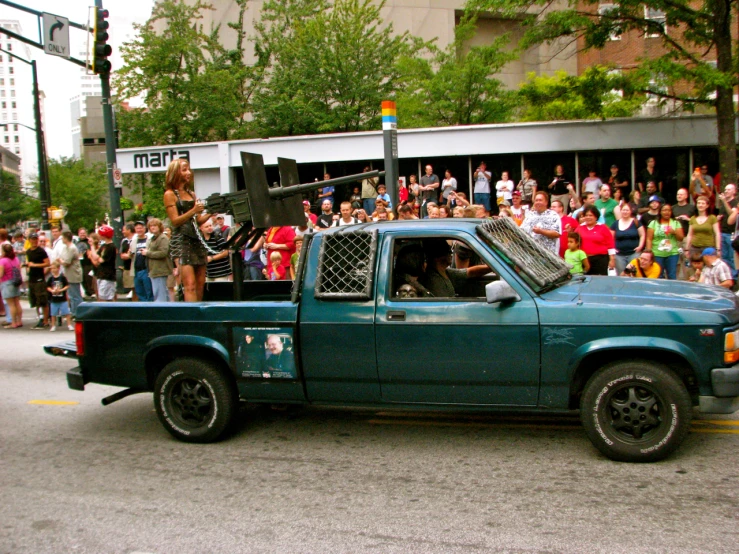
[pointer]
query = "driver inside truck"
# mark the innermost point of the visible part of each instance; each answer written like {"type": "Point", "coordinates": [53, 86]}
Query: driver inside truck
{"type": "Point", "coordinates": [439, 278]}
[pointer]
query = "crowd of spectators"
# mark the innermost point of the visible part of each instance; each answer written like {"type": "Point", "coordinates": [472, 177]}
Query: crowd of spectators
{"type": "Point", "coordinates": [609, 229]}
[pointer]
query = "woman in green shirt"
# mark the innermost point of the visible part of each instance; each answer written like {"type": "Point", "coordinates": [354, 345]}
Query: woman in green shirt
{"type": "Point", "coordinates": [664, 236]}
{"type": "Point", "coordinates": [703, 231]}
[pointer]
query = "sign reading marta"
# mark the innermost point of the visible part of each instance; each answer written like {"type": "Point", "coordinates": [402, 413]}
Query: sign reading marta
{"type": "Point", "coordinates": [56, 35]}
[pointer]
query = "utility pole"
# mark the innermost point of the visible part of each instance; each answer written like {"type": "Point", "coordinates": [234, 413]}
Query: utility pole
{"type": "Point", "coordinates": [100, 52]}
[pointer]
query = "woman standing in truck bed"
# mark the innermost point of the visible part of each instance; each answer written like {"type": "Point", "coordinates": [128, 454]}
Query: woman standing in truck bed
{"type": "Point", "coordinates": [185, 212]}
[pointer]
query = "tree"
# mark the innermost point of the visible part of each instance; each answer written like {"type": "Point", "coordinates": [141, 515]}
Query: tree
{"type": "Point", "coordinates": [692, 34]}
{"type": "Point", "coordinates": [193, 89]}
{"type": "Point", "coordinates": [324, 69]}
{"type": "Point", "coordinates": [16, 206]}
{"type": "Point", "coordinates": [595, 94]}
{"type": "Point", "coordinates": [457, 85]}
{"type": "Point", "coordinates": [83, 191]}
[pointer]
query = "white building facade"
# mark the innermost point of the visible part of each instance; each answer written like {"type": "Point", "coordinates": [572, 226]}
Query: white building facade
{"type": "Point", "coordinates": [17, 132]}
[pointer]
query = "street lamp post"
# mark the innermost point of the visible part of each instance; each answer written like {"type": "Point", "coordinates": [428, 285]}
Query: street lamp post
{"type": "Point", "coordinates": [43, 174]}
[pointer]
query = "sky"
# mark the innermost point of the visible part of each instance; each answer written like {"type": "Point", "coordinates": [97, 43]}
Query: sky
{"type": "Point", "coordinates": [59, 78]}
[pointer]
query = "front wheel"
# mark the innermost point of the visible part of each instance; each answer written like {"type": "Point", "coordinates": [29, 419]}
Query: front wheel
{"type": "Point", "coordinates": [636, 411]}
{"type": "Point", "coordinates": [194, 401]}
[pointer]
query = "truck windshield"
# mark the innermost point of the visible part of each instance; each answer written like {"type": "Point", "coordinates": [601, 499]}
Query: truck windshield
{"type": "Point", "coordinates": [540, 268]}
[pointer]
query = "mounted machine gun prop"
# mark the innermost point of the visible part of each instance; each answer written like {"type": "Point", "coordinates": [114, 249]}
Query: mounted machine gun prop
{"type": "Point", "coordinates": [260, 206]}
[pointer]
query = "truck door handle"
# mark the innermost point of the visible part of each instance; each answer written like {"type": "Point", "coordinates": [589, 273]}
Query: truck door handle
{"type": "Point", "coordinates": [396, 315]}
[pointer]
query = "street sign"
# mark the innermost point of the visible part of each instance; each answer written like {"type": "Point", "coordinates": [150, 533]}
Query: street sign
{"type": "Point", "coordinates": [118, 178]}
{"type": "Point", "coordinates": [56, 35]}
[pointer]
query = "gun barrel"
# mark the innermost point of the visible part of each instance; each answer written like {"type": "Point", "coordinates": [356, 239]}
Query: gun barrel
{"type": "Point", "coordinates": [279, 193]}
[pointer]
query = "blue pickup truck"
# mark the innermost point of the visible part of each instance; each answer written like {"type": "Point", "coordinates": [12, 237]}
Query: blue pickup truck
{"type": "Point", "coordinates": [358, 327]}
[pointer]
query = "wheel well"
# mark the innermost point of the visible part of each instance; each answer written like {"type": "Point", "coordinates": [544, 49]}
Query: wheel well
{"type": "Point", "coordinates": [593, 362]}
{"type": "Point", "coordinates": [158, 358]}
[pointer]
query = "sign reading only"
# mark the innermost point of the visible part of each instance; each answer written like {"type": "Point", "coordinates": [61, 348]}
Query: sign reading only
{"type": "Point", "coordinates": [56, 35]}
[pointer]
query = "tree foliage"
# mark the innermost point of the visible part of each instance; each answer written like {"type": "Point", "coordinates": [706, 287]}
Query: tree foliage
{"type": "Point", "coordinates": [15, 205]}
{"type": "Point", "coordinates": [83, 191]}
{"type": "Point", "coordinates": [695, 61]}
{"type": "Point", "coordinates": [456, 85]}
{"type": "Point", "coordinates": [325, 69]}
{"type": "Point", "coordinates": [596, 94]}
{"type": "Point", "coordinates": [193, 88]}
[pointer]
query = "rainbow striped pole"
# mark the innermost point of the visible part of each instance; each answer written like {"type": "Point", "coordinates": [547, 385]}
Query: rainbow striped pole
{"type": "Point", "coordinates": [390, 141]}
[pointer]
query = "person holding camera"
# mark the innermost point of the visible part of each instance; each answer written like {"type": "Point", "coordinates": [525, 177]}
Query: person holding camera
{"type": "Point", "coordinates": [643, 267]}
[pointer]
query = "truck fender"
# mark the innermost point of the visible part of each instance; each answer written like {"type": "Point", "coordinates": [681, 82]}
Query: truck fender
{"type": "Point", "coordinates": [633, 343]}
{"type": "Point", "coordinates": [180, 341]}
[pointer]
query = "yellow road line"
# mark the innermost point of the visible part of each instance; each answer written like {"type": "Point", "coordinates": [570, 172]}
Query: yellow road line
{"type": "Point", "coordinates": [715, 422]}
{"type": "Point", "coordinates": [54, 402]}
{"type": "Point", "coordinates": [722, 431]}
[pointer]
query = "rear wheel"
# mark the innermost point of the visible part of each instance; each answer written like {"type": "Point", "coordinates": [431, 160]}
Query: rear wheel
{"type": "Point", "coordinates": [636, 411]}
{"type": "Point", "coordinates": [194, 401]}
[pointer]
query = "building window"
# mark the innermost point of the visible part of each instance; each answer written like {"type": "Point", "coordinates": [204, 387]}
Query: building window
{"type": "Point", "coordinates": [5, 117]}
{"type": "Point", "coordinates": [11, 70]}
{"type": "Point", "coordinates": [10, 49]}
{"type": "Point", "coordinates": [2, 82]}
{"type": "Point", "coordinates": [15, 128]}
{"type": "Point", "coordinates": [13, 104]}
{"type": "Point", "coordinates": [12, 80]}
{"type": "Point", "coordinates": [1, 59]}
{"type": "Point", "coordinates": [15, 117]}
{"type": "Point", "coordinates": [17, 139]}
{"type": "Point", "coordinates": [17, 150]}
{"type": "Point", "coordinates": [657, 19]}
{"type": "Point", "coordinates": [7, 140]}
{"type": "Point", "coordinates": [4, 105]}
{"type": "Point", "coordinates": [613, 23]}
{"type": "Point", "coordinates": [2, 94]}
{"type": "Point", "coordinates": [12, 94]}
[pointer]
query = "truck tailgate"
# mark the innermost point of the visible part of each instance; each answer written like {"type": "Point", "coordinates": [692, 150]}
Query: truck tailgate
{"type": "Point", "coordinates": [67, 349]}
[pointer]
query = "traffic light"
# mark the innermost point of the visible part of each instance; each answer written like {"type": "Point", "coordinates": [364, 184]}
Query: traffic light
{"type": "Point", "coordinates": [100, 47]}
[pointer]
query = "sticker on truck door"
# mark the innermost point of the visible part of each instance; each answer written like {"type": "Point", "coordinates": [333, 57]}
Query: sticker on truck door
{"type": "Point", "coordinates": [265, 353]}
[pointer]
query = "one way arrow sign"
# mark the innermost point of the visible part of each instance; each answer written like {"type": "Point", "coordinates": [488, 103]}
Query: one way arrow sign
{"type": "Point", "coordinates": [56, 35]}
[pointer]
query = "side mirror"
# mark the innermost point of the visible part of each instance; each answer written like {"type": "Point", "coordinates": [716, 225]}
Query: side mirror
{"type": "Point", "coordinates": [500, 291]}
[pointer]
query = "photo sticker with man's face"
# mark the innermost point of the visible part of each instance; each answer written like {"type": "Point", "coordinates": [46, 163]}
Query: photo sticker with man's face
{"type": "Point", "coordinates": [265, 353]}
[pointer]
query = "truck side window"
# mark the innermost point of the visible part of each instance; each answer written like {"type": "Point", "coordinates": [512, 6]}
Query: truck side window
{"type": "Point", "coordinates": [425, 268]}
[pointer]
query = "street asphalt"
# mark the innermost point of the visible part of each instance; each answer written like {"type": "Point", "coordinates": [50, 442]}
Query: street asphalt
{"type": "Point", "coordinates": [78, 477]}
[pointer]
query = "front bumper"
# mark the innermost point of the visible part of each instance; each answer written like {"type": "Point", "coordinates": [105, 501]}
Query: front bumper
{"type": "Point", "coordinates": [725, 385]}
{"type": "Point", "coordinates": [725, 381]}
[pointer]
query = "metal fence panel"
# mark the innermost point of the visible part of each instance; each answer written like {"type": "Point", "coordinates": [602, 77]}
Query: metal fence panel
{"type": "Point", "coordinates": [346, 262]}
{"type": "Point", "coordinates": [539, 264]}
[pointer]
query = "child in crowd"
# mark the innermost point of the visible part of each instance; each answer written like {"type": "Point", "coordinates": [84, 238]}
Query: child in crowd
{"type": "Point", "coordinates": [57, 286]}
{"type": "Point", "coordinates": [295, 258]}
{"type": "Point", "coordinates": [576, 257]}
{"type": "Point", "coordinates": [696, 262]}
{"type": "Point", "coordinates": [275, 271]}
{"type": "Point", "coordinates": [356, 199]}
{"type": "Point", "coordinates": [382, 194]}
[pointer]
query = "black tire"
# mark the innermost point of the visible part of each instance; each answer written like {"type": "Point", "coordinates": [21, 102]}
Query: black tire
{"type": "Point", "coordinates": [194, 400]}
{"type": "Point", "coordinates": [622, 390]}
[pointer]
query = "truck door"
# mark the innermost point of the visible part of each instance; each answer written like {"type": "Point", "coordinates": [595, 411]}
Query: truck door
{"type": "Point", "coordinates": [337, 311]}
{"type": "Point", "coordinates": [454, 349]}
